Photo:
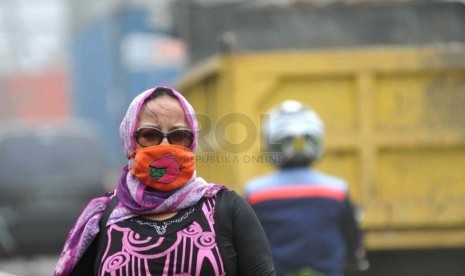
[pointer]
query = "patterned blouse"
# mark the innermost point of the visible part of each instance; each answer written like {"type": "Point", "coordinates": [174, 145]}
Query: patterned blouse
{"type": "Point", "coordinates": [204, 239]}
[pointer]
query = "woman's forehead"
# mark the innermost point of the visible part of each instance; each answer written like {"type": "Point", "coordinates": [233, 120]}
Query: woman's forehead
{"type": "Point", "coordinates": [162, 105]}
{"type": "Point", "coordinates": [163, 108]}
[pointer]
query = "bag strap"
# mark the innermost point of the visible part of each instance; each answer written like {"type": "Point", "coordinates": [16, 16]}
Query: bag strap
{"type": "Point", "coordinates": [107, 212]}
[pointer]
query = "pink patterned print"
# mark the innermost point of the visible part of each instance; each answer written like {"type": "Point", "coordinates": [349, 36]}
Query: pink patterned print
{"type": "Point", "coordinates": [192, 249]}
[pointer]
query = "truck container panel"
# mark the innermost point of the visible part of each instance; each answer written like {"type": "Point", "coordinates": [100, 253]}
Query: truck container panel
{"type": "Point", "coordinates": [395, 129]}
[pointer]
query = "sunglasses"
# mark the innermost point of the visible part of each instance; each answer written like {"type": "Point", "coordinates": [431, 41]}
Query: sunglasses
{"type": "Point", "coordinates": [150, 136]}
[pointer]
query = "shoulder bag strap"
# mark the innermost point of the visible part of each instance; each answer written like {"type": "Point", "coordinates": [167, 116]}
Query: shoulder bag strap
{"type": "Point", "coordinates": [107, 212]}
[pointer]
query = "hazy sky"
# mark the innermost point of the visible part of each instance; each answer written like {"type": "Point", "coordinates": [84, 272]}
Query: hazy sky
{"type": "Point", "coordinates": [32, 34]}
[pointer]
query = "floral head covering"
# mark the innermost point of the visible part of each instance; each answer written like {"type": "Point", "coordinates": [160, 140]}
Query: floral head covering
{"type": "Point", "coordinates": [128, 125]}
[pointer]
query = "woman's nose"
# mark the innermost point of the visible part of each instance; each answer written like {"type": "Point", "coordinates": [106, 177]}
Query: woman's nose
{"type": "Point", "coordinates": [164, 141]}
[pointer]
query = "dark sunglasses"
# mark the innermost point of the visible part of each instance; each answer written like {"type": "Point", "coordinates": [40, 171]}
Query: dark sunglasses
{"type": "Point", "coordinates": [150, 136]}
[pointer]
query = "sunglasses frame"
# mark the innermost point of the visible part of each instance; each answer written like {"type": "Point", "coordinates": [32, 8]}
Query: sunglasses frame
{"type": "Point", "coordinates": [165, 135]}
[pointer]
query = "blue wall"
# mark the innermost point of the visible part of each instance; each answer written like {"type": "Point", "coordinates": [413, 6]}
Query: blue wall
{"type": "Point", "coordinates": [102, 86]}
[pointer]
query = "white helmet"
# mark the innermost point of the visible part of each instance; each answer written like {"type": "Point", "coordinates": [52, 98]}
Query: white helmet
{"type": "Point", "coordinates": [294, 132]}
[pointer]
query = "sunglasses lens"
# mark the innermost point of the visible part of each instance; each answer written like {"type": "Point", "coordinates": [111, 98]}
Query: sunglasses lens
{"type": "Point", "coordinates": [181, 137]}
{"type": "Point", "coordinates": [149, 137]}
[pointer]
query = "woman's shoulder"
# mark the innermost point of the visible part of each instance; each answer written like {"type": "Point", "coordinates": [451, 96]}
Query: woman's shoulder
{"type": "Point", "coordinates": [229, 200]}
{"type": "Point", "coordinates": [227, 195]}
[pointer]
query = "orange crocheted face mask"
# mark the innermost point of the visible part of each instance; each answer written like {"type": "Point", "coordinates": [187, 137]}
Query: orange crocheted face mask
{"type": "Point", "coordinates": [163, 167]}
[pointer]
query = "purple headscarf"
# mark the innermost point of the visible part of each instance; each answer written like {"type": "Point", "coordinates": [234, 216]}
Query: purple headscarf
{"type": "Point", "coordinates": [134, 197]}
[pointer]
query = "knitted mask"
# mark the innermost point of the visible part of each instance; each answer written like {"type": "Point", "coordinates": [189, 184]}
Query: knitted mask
{"type": "Point", "coordinates": [163, 167]}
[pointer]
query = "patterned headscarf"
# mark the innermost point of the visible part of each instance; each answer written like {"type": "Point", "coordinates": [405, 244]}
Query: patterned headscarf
{"type": "Point", "coordinates": [134, 197]}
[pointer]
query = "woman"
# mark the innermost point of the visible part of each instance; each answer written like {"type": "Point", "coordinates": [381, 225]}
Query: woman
{"type": "Point", "coordinates": [166, 220]}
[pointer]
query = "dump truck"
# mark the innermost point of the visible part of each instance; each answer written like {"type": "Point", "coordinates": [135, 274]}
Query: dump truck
{"type": "Point", "coordinates": [387, 79]}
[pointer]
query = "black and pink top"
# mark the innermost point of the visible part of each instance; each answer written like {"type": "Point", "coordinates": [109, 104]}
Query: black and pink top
{"type": "Point", "coordinates": [217, 236]}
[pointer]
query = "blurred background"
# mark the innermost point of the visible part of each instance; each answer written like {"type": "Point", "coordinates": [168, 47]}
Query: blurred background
{"type": "Point", "coordinates": [67, 73]}
{"type": "Point", "coordinates": [387, 77]}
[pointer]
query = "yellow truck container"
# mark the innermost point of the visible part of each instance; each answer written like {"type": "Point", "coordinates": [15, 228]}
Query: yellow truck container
{"type": "Point", "coordinates": [395, 130]}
